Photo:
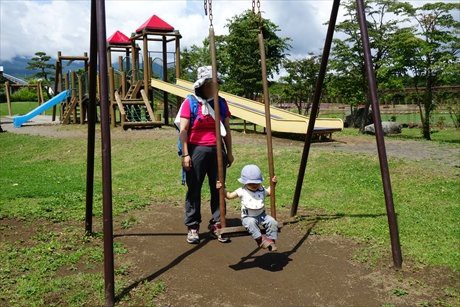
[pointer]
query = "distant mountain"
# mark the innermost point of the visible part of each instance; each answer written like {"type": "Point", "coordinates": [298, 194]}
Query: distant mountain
{"type": "Point", "coordinates": [17, 67]}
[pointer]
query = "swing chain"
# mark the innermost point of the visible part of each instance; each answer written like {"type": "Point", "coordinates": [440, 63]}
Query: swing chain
{"type": "Point", "coordinates": [208, 11]}
{"type": "Point", "coordinates": [260, 15]}
{"type": "Point", "coordinates": [254, 6]}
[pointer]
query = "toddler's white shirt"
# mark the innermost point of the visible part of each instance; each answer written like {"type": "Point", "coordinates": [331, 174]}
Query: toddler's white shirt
{"type": "Point", "coordinates": [252, 203]}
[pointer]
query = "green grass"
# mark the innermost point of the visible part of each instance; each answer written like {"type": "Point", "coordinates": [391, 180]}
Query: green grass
{"type": "Point", "coordinates": [43, 179]}
{"type": "Point", "coordinates": [449, 136]}
{"type": "Point", "coordinates": [21, 108]}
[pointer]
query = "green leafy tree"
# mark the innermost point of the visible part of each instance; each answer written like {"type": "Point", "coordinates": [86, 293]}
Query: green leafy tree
{"type": "Point", "coordinates": [301, 81]}
{"type": "Point", "coordinates": [242, 57]}
{"type": "Point", "coordinates": [196, 56]}
{"type": "Point", "coordinates": [348, 80]}
{"type": "Point", "coordinates": [432, 52]}
{"type": "Point", "coordinates": [40, 62]}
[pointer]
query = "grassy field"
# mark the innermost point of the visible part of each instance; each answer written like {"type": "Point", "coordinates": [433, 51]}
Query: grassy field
{"type": "Point", "coordinates": [21, 108]}
{"type": "Point", "coordinates": [43, 186]}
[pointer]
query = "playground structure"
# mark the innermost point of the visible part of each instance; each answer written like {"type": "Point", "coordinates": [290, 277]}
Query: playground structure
{"type": "Point", "coordinates": [134, 73]}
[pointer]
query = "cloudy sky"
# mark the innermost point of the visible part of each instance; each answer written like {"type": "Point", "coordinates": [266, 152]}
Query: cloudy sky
{"type": "Point", "coordinates": [63, 25]}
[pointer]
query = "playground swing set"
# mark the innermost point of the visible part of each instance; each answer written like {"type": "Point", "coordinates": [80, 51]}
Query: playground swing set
{"type": "Point", "coordinates": [98, 45]}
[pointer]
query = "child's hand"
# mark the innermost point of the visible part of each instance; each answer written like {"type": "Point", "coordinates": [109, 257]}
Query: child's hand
{"type": "Point", "coordinates": [218, 185]}
{"type": "Point", "coordinates": [274, 180]}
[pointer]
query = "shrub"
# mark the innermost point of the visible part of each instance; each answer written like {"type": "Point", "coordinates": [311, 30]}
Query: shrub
{"type": "Point", "coordinates": [24, 94]}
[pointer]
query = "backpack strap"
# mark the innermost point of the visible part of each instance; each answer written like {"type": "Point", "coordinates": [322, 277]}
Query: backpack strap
{"type": "Point", "coordinates": [193, 109]}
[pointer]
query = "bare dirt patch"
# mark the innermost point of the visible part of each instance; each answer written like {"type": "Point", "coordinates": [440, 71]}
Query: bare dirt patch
{"type": "Point", "coordinates": [308, 270]}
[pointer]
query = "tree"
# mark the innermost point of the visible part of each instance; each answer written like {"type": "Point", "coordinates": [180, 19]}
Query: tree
{"type": "Point", "coordinates": [348, 80]}
{"type": "Point", "coordinates": [433, 54]}
{"type": "Point", "coordinates": [238, 58]}
{"type": "Point", "coordinates": [198, 56]}
{"type": "Point", "coordinates": [301, 81]}
{"type": "Point", "coordinates": [40, 62]}
{"type": "Point", "coordinates": [242, 57]}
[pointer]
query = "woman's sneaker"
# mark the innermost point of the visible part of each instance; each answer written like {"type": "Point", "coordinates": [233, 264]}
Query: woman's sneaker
{"type": "Point", "coordinates": [213, 228]}
{"type": "Point", "coordinates": [193, 236]}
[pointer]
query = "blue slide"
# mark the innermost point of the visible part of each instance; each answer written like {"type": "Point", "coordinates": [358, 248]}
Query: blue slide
{"type": "Point", "coordinates": [18, 121]}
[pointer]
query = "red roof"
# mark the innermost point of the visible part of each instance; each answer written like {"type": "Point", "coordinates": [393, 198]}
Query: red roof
{"type": "Point", "coordinates": [155, 23]}
{"type": "Point", "coordinates": [119, 38]}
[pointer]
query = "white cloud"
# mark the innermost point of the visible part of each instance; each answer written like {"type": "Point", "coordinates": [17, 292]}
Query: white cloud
{"type": "Point", "coordinates": [63, 25]}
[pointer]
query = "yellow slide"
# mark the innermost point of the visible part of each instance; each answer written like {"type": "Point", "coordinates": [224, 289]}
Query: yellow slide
{"type": "Point", "coordinates": [254, 112]}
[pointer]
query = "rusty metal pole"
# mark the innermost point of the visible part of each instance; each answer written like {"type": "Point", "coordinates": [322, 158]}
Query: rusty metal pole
{"type": "Point", "coordinates": [91, 122]}
{"type": "Point", "coordinates": [315, 106]}
{"type": "Point", "coordinates": [220, 162]}
{"type": "Point", "coordinates": [392, 222]}
{"type": "Point", "coordinates": [268, 125]}
{"type": "Point", "coordinates": [106, 157]}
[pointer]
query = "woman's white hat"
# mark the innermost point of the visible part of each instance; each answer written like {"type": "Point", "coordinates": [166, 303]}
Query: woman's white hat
{"type": "Point", "coordinates": [204, 73]}
{"type": "Point", "coordinates": [251, 174]}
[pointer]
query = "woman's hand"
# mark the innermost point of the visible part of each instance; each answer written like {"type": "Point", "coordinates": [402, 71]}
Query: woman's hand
{"type": "Point", "coordinates": [187, 162]}
{"type": "Point", "coordinates": [230, 159]}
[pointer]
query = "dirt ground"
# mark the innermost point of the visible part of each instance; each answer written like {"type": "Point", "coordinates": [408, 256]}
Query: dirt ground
{"type": "Point", "coordinates": [307, 270]}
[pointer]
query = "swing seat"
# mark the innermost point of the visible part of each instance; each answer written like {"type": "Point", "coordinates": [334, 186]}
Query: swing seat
{"type": "Point", "coordinates": [237, 231]}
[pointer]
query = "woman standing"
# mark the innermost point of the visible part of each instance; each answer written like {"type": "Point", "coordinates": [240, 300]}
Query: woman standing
{"type": "Point", "coordinates": [199, 151]}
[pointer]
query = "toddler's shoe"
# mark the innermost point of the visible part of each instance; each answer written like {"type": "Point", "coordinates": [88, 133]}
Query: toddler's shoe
{"type": "Point", "coordinates": [266, 243]}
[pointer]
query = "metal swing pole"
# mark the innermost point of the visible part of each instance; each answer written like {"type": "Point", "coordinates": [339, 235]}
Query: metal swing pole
{"type": "Point", "coordinates": [220, 162]}
{"type": "Point", "coordinates": [268, 126]}
{"type": "Point", "coordinates": [392, 222]}
{"type": "Point", "coordinates": [106, 156]}
{"type": "Point", "coordinates": [91, 123]}
{"type": "Point", "coordinates": [315, 106]}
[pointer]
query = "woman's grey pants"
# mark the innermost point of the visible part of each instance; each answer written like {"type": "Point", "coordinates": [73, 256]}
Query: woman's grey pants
{"type": "Point", "coordinates": [204, 162]}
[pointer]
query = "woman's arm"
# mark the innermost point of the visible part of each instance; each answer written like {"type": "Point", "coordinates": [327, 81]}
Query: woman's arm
{"type": "Point", "coordinates": [183, 135]}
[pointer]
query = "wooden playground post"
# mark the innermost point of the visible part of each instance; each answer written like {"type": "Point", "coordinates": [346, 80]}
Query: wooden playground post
{"type": "Point", "coordinates": [120, 63]}
{"type": "Point", "coordinates": [146, 62]}
{"type": "Point", "coordinates": [177, 57]}
{"type": "Point", "coordinates": [177, 69]}
{"type": "Point", "coordinates": [123, 83]}
{"type": "Point", "coordinates": [74, 95]}
{"type": "Point", "coordinates": [8, 97]}
{"type": "Point", "coordinates": [42, 97]}
{"type": "Point", "coordinates": [65, 105]}
{"type": "Point", "coordinates": [111, 93]}
{"type": "Point", "coordinates": [80, 100]}
{"type": "Point", "coordinates": [133, 61]}
{"type": "Point", "coordinates": [165, 78]}
{"type": "Point", "coordinates": [57, 81]}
